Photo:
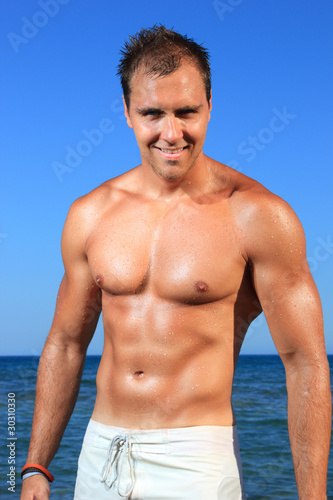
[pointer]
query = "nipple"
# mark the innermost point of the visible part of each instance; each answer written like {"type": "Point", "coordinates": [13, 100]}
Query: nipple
{"type": "Point", "coordinates": [99, 279]}
{"type": "Point", "coordinates": [201, 286]}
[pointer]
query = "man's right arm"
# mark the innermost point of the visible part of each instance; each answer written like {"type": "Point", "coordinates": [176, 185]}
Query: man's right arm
{"type": "Point", "coordinates": [62, 360]}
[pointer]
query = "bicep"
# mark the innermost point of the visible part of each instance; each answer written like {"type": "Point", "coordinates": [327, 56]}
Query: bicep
{"type": "Point", "coordinates": [78, 303]}
{"type": "Point", "coordinates": [284, 284]}
{"type": "Point", "coordinates": [77, 311]}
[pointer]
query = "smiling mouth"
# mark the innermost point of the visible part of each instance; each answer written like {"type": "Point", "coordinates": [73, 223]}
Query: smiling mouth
{"type": "Point", "coordinates": [172, 151]}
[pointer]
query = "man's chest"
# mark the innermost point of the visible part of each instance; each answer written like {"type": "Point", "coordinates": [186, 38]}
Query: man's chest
{"type": "Point", "coordinates": [184, 254]}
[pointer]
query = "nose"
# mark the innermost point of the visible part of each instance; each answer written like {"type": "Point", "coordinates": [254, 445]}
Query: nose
{"type": "Point", "coordinates": [171, 130]}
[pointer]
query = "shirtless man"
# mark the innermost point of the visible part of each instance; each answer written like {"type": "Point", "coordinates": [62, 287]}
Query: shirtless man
{"type": "Point", "coordinates": [178, 253]}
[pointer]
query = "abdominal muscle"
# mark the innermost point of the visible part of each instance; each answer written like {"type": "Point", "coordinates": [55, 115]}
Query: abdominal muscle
{"type": "Point", "coordinates": [165, 365]}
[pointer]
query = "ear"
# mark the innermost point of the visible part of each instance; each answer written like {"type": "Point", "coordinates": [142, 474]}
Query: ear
{"type": "Point", "coordinates": [129, 122]}
{"type": "Point", "coordinates": [210, 104]}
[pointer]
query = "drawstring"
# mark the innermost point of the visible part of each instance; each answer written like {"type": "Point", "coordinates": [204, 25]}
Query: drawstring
{"type": "Point", "coordinates": [122, 445]}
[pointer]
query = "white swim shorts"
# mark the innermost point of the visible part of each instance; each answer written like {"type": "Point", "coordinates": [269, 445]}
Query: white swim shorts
{"type": "Point", "coordinates": [190, 463]}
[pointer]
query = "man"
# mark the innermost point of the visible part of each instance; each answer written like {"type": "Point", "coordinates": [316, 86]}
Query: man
{"type": "Point", "coordinates": [178, 253]}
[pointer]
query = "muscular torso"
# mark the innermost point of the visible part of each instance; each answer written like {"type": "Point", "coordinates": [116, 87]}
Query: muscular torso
{"type": "Point", "coordinates": [176, 294]}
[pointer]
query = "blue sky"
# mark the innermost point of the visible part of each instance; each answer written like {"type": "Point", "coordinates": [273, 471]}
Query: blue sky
{"type": "Point", "coordinates": [272, 120]}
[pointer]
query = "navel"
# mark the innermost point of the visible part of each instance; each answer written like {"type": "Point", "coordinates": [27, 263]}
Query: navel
{"type": "Point", "coordinates": [201, 286]}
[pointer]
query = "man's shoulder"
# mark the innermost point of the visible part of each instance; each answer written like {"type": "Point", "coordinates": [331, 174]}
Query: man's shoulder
{"type": "Point", "coordinates": [87, 211]}
{"type": "Point", "coordinates": [257, 210]}
{"type": "Point", "coordinates": [259, 205]}
{"type": "Point", "coordinates": [247, 193]}
{"type": "Point", "coordinates": [264, 218]}
{"type": "Point", "coordinates": [101, 198]}
{"type": "Point", "coordinates": [242, 189]}
{"type": "Point", "coordinates": [256, 199]}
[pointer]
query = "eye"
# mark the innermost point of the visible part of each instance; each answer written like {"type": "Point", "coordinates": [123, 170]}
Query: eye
{"type": "Point", "coordinates": [186, 112]}
{"type": "Point", "coordinates": [152, 112]}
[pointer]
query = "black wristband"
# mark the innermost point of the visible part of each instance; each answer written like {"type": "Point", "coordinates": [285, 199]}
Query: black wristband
{"type": "Point", "coordinates": [34, 469]}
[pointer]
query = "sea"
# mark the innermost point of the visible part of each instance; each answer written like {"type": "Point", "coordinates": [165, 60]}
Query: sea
{"type": "Point", "coordinates": [259, 401]}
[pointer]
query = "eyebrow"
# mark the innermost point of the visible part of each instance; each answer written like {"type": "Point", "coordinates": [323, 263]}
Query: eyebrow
{"type": "Point", "coordinates": [142, 111]}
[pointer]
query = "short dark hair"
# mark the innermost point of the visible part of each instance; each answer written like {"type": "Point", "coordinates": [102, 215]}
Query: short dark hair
{"type": "Point", "coordinates": [161, 51]}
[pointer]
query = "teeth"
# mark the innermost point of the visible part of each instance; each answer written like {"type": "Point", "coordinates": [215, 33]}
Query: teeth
{"type": "Point", "coordinates": [171, 151]}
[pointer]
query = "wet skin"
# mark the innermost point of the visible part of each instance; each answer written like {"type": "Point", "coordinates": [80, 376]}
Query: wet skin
{"type": "Point", "coordinates": [180, 254]}
{"type": "Point", "coordinates": [166, 254]}
{"type": "Point", "coordinates": [176, 252]}
{"type": "Point", "coordinates": [169, 311]}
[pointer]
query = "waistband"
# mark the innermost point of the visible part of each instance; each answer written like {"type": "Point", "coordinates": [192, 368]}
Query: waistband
{"type": "Point", "coordinates": [122, 444]}
{"type": "Point", "coordinates": [223, 439]}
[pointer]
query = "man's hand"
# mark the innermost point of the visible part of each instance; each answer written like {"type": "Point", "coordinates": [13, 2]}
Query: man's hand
{"type": "Point", "coordinates": [35, 487]}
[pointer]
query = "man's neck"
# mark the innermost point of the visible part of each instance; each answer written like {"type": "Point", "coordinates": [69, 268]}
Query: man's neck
{"type": "Point", "coordinates": [195, 181]}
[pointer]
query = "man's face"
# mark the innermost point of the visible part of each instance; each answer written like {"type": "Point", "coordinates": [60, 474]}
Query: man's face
{"type": "Point", "coordinates": [169, 116]}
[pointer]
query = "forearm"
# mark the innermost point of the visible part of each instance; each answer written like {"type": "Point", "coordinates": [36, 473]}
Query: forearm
{"type": "Point", "coordinates": [309, 418]}
{"type": "Point", "coordinates": [58, 382]}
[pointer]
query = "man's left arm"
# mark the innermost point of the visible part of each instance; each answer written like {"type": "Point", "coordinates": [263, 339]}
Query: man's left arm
{"type": "Point", "coordinates": [292, 307]}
